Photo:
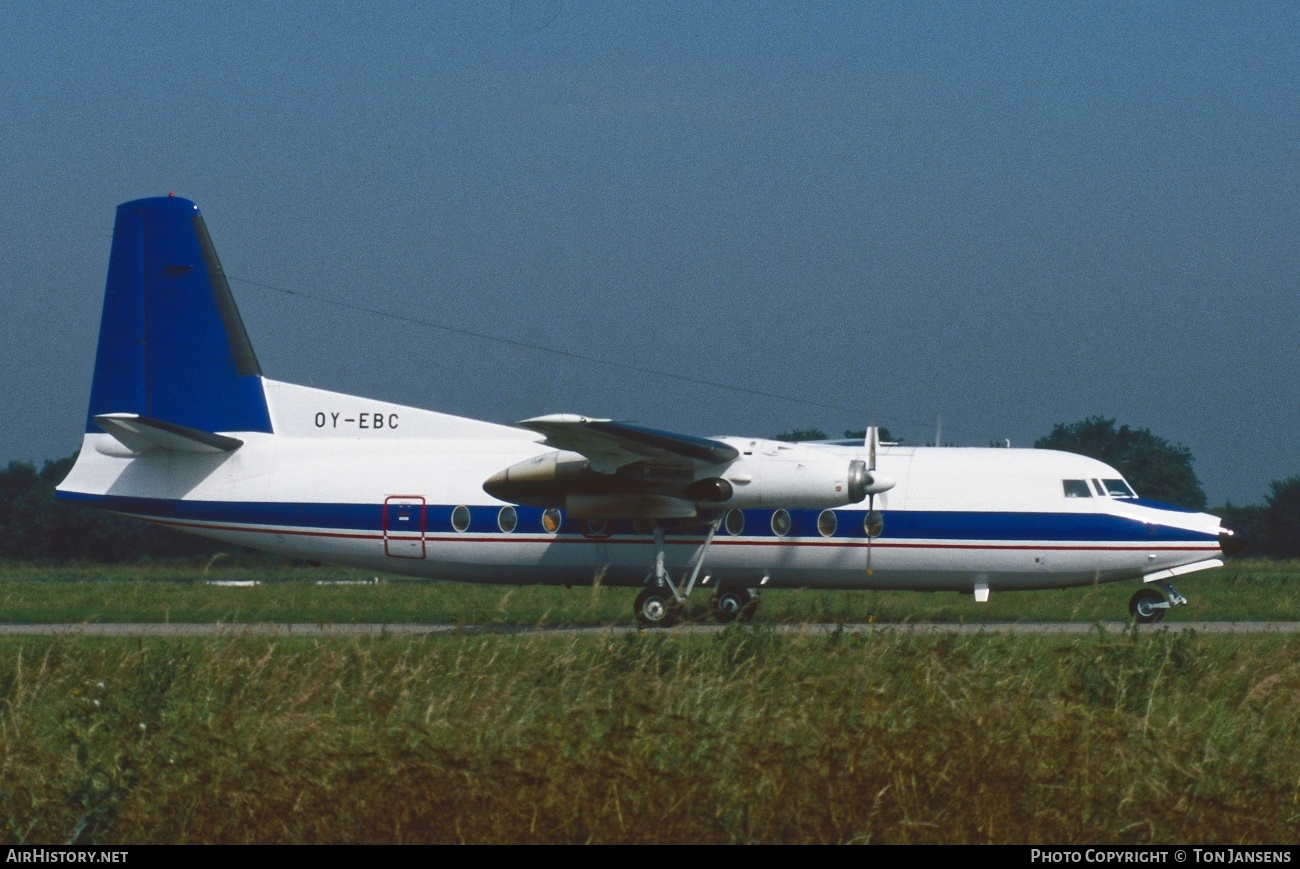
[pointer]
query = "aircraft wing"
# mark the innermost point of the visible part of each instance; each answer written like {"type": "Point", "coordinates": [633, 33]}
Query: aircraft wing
{"type": "Point", "coordinates": [610, 445]}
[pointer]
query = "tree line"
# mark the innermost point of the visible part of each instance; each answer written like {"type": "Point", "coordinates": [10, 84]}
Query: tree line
{"type": "Point", "coordinates": [34, 526]}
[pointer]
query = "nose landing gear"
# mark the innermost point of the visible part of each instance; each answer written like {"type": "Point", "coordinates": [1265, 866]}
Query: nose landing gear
{"type": "Point", "coordinates": [1148, 605]}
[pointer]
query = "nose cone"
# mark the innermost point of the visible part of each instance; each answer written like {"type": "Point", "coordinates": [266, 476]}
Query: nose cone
{"type": "Point", "coordinates": [1232, 539]}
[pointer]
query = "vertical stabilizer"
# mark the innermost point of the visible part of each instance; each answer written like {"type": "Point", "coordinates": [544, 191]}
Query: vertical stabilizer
{"type": "Point", "coordinates": [172, 346]}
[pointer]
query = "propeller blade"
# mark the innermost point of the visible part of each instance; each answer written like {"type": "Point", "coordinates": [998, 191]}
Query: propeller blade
{"type": "Point", "coordinates": [872, 443]}
{"type": "Point", "coordinates": [866, 526]}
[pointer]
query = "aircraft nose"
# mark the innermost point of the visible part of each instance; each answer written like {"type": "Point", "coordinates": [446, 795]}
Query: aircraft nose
{"type": "Point", "coordinates": [1232, 539]}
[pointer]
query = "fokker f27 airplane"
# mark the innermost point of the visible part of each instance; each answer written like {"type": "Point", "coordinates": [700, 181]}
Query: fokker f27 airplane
{"type": "Point", "coordinates": [184, 431]}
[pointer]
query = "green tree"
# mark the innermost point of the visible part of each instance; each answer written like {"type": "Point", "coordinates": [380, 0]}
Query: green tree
{"type": "Point", "coordinates": [1253, 519]}
{"type": "Point", "coordinates": [801, 434]}
{"type": "Point", "coordinates": [816, 434]}
{"type": "Point", "coordinates": [1156, 468]}
{"type": "Point", "coordinates": [34, 525]}
{"type": "Point", "coordinates": [1282, 517]}
{"type": "Point", "coordinates": [15, 481]}
{"type": "Point", "coordinates": [861, 434]}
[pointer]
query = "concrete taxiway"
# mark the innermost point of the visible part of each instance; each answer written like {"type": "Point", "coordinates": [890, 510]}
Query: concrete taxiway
{"type": "Point", "coordinates": [287, 629]}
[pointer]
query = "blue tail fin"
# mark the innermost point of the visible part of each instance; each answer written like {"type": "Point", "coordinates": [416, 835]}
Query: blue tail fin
{"type": "Point", "coordinates": [172, 346]}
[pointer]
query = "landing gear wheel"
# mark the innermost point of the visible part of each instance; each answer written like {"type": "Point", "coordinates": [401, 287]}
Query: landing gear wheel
{"type": "Point", "coordinates": [656, 608]}
{"type": "Point", "coordinates": [1146, 606]}
{"type": "Point", "coordinates": [729, 603]}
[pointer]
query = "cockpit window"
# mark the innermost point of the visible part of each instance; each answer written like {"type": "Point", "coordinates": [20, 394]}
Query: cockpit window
{"type": "Point", "coordinates": [1101, 490]}
{"type": "Point", "coordinates": [1076, 489]}
{"type": "Point", "coordinates": [1119, 489]}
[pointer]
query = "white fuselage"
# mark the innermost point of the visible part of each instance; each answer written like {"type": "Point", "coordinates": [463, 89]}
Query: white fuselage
{"type": "Point", "coordinates": [391, 488]}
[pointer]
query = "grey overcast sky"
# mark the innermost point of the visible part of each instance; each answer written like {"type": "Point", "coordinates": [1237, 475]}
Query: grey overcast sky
{"type": "Point", "coordinates": [1004, 214]}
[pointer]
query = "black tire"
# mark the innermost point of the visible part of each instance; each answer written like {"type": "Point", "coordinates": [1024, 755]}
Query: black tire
{"type": "Point", "coordinates": [1143, 606]}
{"type": "Point", "coordinates": [729, 604]}
{"type": "Point", "coordinates": [656, 608]}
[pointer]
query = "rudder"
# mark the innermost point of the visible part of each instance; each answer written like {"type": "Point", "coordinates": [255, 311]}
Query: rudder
{"type": "Point", "coordinates": [172, 345]}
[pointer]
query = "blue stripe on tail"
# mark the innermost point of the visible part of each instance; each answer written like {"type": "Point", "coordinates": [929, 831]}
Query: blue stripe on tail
{"type": "Point", "coordinates": [172, 346]}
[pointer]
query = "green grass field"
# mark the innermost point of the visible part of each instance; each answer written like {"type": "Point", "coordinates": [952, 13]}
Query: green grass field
{"type": "Point", "coordinates": [743, 736]}
{"type": "Point", "coordinates": [160, 591]}
{"type": "Point", "coordinates": [748, 735]}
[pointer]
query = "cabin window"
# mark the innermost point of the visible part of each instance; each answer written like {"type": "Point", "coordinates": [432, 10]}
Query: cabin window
{"type": "Point", "coordinates": [826, 523]}
{"type": "Point", "coordinates": [781, 523]}
{"type": "Point", "coordinates": [735, 522]}
{"type": "Point", "coordinates": [460, 518]}
{"type": "Point", "coordinates": [873, 523]}
{"type": "Point", "coordinates": [1119, 489]}
{"type": "Point", "coordinates": [597, 527]}
{"type": "Point", "coordinates": [1077, 489]}
{"type": "Point", "coordinates": [551, 520]}
{"type": "Point", "coordinates": [507, 519]}
{"type": "Point", "coordinates": [643, 526]}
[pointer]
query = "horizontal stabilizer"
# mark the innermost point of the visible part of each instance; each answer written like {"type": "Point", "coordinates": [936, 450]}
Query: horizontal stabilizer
{"type": "Point", "coordinates": [140, 434]}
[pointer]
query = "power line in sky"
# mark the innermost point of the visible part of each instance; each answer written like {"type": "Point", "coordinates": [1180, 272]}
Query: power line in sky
{"type": "Point", "coordinates": [572, 354]}
{"type": "Point", "coordinates": [540, 348]}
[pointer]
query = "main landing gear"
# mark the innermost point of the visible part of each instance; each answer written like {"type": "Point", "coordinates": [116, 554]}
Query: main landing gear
{"type": "Point", "coordinates": [657, 607]}
{"type": "Point", "coordinates": [660, 605]}
{"type": "Point", "coordinates": [730, 604]}
{"type": "Point", "coordinates": [1148, 605]}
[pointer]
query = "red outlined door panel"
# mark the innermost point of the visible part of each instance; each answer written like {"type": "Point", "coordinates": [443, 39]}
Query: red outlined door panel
{"type": "Point", "coordinates": [404, 517]}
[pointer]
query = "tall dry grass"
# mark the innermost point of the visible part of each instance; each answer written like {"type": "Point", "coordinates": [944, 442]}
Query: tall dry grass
{"type": "Point", "coordinates": [746, 736]}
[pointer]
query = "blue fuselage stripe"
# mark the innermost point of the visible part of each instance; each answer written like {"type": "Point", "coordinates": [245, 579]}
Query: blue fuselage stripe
{"type": "Point", "coordinates": [899, 525]}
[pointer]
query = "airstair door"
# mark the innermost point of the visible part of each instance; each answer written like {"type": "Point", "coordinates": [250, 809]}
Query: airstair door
{"type": "Point", "coordinates": [404, 526]}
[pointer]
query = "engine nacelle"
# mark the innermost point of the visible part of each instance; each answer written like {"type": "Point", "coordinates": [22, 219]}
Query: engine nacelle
{"type": "Point", "coordinates": [546, 480]}
{"type": "Point", "coordinates": [796, 477]}
{"type": "Point", "coordinates": [768, 474]}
